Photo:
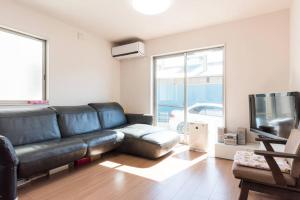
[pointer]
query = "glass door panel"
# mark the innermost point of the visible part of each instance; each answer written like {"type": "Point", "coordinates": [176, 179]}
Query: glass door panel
{"type": "Point", "coordinates": [189, 88]}
{"type": "Point", "coordinates": [205, 89]}
{"type": "Point", "coordinates": [169, 92]}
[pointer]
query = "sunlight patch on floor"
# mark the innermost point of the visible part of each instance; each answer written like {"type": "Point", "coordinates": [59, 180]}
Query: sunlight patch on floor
{"type": "Point", "coordinates": [110, 164]}
{"type": "Point", "coordinates": [178, 161]}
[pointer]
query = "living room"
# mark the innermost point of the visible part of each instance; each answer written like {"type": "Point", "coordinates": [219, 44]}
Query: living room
{"type": "Point", "coordinates": [140, 99]}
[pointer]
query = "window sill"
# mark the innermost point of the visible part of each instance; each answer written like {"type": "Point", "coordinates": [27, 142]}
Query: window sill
{"type": "Point", "coordinates": [24, 103]}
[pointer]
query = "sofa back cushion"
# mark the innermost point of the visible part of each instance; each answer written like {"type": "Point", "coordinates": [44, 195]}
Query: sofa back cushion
{"type": "Point", "coordinates": [74, 120]}
{"type": "Point", "coordinates": [111, 115]}
{"type": "Point", "coordinates": [29, 126]}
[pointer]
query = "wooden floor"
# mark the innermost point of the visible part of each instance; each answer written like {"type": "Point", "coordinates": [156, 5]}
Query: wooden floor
{"type": "Point", "coordinates": [182, 175]}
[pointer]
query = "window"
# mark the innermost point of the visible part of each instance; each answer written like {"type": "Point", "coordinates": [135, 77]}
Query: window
{"type": "Point", "coordinates": [22, 67]}
{"type": "Point", "coordinates": [188, 87]}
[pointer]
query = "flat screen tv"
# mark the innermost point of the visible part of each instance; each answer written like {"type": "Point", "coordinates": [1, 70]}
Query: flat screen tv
{"type": "Point", "coordinates": [274, 114]}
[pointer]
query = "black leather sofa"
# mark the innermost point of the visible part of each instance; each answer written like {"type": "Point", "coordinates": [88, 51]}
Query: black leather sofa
{"type": "Point", "coordinates": [32, 142]}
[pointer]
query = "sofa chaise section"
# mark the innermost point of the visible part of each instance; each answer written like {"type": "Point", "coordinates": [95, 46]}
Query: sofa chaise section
{"type": "Point", "coordinates": [148, 141]}
{"type": "Point", "coordinates": [141, 138]}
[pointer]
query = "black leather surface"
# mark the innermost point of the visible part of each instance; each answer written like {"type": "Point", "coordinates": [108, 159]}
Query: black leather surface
{"type": "Point", "coordinates": [139, 119]}
{"type": "Point", "coordinates": [7, 153]}
{"type": "Point", "coordinates": [74, 120]}
{"type": "Point", "coordinates": [111, 114]}
{"type": "Point", "coordinates": [8, 183]}
{"type": "Point", "coordinates": [143, 148]}
{"type": "Point", "coordinates": [29, 126]}
{"type": "Point", "coordinates": [8, 170]}
{"type": "Point", "coordinates": [165, 139]}
{"type": "Point", "coordinates": [101, 141]}
{"type": "Point", "coordinates": [148, 141]}
{"type": "Point", "coordinates": [40, 157]}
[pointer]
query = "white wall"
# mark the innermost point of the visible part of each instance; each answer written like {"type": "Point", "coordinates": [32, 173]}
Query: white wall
{"type": "Point", "coordinates": [257, 61]}
{"type": "Point", "coordinates": [79, 70]}
{"type": "Point", "coordinates": [295, 45]}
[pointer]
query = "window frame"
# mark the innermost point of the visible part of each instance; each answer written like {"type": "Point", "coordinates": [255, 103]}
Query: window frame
{"type": "Point", "coordinates": [44, 69]}
{"type": "Point", "coordinates": [185, 52]}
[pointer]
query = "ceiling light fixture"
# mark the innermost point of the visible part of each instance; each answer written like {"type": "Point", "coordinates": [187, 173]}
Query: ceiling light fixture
{"type": "Point", "coordinates": [151, 7]}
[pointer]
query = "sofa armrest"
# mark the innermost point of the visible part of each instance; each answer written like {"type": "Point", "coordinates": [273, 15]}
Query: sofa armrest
{"type": "Point", "coordinates": [8, 155]}
{"type": "Point", "coordinates": [8, 170]}
{"type": "Point", "coordinates": [139, 119]}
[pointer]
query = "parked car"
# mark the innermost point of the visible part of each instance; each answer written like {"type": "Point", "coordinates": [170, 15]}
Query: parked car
{"type": "Point", "coordinates": [210, 113]}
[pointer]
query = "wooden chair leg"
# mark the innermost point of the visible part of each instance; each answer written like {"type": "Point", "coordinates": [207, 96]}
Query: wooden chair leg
{"type": "Point", "coordinates": [244, 192]}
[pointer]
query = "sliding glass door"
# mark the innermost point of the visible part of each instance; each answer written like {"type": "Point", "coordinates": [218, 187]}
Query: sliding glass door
{"type": "Point", "coordinates": [170, 89]}
{"type": "Point", "coordinates": [188, 87]}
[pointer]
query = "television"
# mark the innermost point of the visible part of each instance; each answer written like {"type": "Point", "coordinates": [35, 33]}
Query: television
{"type": "Point", "coordinates": [274, 115]}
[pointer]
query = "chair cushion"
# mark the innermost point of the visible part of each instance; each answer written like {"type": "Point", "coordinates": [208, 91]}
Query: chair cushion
{"type": "Point", "coordinates": [74, 120]}
{"type": "Point", "coordinates": [29, 126]}
{"type": "Point", "coordinates": [250, 159]}
{"type": "Point", "coordinates": [111, 115]}
{"type": "Point", "coordinates": [259, 175]}
{"type": "Point", "coordinates": [293, 146]}
{"type": "Point", "coordinates": [101, 141]}
{"type": "Point", "coordinates": [148, 141]}
{"type": "Point", "coordinates": [40, 157]}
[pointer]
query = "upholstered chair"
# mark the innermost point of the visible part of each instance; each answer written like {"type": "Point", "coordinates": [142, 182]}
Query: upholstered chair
{"type": "Point", "coordinates": [267, 171]}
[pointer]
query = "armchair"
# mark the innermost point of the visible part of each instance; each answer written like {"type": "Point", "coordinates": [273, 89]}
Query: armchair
{"type": "Point", "coordinates": [274, 180]}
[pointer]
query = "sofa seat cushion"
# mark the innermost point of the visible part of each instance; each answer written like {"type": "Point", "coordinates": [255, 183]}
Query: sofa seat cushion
{"type": "Point", "coordinates": [258, 175]}
{"type": "Point", "coordinates": [139, 130]}
{"type": "Point", "coordinates": [101, 141]}
{"type": "Point", "coordinates": [41, 157]}
{"type": "Point", "coordinates": [148, 141]}
{"type": "Point", "coordinates": [75, 120]}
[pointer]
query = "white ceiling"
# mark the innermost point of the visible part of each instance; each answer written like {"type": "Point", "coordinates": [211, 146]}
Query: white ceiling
{"type": "Point", "coordinates": [116, 20]}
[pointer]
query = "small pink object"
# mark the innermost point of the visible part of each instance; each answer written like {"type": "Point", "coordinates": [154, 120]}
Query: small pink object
{"type": "Point", "coordinates": [38, 102]}
{"type": "Point", "coordinates": [82, 161]}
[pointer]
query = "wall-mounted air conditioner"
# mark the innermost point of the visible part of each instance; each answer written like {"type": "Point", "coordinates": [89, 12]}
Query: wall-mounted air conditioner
{"type": "Point", "coordinates": [136, 49]}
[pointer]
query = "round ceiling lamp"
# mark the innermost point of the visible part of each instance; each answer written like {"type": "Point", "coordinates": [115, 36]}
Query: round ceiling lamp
{"type": "Point", "coordinates": [151, 7]}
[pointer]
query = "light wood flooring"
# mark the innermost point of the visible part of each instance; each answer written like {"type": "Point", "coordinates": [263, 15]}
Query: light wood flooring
{"type": "Point", "coordinates": [182, 175]}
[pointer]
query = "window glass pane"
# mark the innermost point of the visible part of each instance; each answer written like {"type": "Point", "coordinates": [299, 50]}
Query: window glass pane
{"type": "Point", "coordinates": [190, 82]}
{"type": "Point", "coordinates": [205, 87]}
{"type": "Point", "coordinates": [21, 67]}
{"type": "Point", "coordinates": [169, 89]}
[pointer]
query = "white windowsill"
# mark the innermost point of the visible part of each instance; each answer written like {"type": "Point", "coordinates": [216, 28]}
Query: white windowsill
{"type": "Point", "coordinates": [10, 104]}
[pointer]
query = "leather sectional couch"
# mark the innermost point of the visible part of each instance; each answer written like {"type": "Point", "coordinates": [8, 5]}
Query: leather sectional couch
{"type": "Point", "coordinates": [32, 142]}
